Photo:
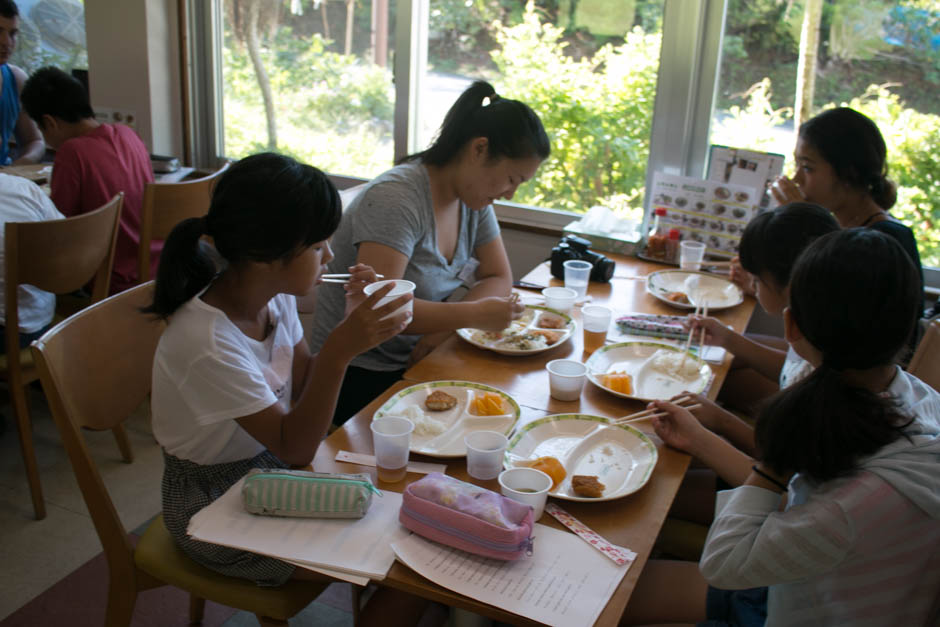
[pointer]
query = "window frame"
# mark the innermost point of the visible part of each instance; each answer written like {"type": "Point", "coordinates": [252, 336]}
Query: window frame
{"type": "Point", "coordinates": [689, 66]}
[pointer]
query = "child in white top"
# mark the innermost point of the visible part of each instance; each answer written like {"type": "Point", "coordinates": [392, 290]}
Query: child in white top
{"type": "Point", "coordinates": [853, 447]}
{"type": "Point", "coordinates": [234, 384]}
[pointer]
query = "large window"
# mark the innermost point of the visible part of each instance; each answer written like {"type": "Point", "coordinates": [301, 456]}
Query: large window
{"type": "Point", "coordinates": [315, 80]}
{"type": "Point", "coordinates": [625, 88]}
{"type": "Point", "coordinates": [879, 57]}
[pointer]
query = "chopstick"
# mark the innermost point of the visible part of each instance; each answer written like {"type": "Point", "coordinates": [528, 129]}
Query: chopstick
{"type": "Point", "coordinates": [701, 340]}
{"type": "Point", "coordinates": [646, 414]}
{"type": "Point", "coordinates": [688, 340]}
{"type": "Point", "coordinates": [345, 276]}
{"type": "Point", "coordinates": [341, 277]}
{"type": "Point", "coordinates": [717, 264]}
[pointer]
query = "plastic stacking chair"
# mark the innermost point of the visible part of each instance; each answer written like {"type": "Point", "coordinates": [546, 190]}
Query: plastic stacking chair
{"type": "Point", "coordinates": [58, 256]}
{"type": "Point", "coordinates": [925, 364]}
{"type": "Point", "coordinates": [118, 343]}
{"type": "Point", "coordinates": [167, 204]}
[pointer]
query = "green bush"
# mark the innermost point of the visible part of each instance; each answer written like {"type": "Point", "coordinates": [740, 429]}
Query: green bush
{"type": "Point", "coordinates": [597, 110]}
{"type": "Point", "coordinates": [332, 110]}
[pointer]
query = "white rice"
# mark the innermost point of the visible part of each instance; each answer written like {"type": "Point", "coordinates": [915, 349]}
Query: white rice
{"type": "Point", "coordinates": [424, 424]}
{"type": "Point", "coordinates": [672, 364]}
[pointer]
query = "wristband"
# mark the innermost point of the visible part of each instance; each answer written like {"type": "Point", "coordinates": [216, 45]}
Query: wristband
{"type": "Point", "coordinates": [766, 476]}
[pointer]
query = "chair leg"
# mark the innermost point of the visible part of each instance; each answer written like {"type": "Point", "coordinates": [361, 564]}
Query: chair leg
{"type": "Point", "coordinates": [124, 444]}
{"type": "Point", "coordinates": [264, 621]}
{"type": "Point", "coordinates": [122, 596]}
{"type": "Point", "coordinates": [197, 609]}
{"type": "Point", "coordinates": [356, 603]}
{"type": "Point", "coordinates": [21, 409]}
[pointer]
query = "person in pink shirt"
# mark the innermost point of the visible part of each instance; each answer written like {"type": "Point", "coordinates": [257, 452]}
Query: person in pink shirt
{"type": "Point", "coordinates": [93, 162]}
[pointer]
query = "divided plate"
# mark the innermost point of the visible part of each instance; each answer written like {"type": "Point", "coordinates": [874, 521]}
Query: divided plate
{"type": "Point", "coordinates": [648, 384]}
{"type": "Point", "coordinates": [530, 321]}
{"type": "Point", "coordinates": [621, 457]}
{"type": "Point", "coordinates": [458, 420]}
{"type": "Point", "coordinates": [699, 287]}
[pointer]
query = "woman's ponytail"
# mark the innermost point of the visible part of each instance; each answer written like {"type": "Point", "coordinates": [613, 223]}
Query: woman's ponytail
{"type": "Point", "coordinates": [884, 192]}
{"type": "Point", "coordinates": [185, 268]}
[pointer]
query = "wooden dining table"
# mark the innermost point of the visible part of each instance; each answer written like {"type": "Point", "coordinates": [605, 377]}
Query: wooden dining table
{"type": "Point", "coordinates": [633, 521]}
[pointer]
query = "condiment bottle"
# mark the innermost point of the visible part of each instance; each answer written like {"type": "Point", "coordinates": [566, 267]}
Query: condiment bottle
{"type": "Point", "coordinates": [672, 246]}
{"type": "Point", "coordinates": [656, 241]}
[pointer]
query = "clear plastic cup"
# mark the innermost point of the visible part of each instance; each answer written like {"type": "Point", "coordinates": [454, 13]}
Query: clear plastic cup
{"type": "Point", "coordinates": [485, 453]}
{"type": "Point", "coordinates": [566, 379]}
{"type": "Point", "coordinates": [595, 322]}
{"type": "Point", "coordinates": [559, 298]}
{"type": "Point", "coordinates": [391, 440]}
{"type": "Point", "coordinates": [577, 274]}
{"type": "Point", "coordinates": [528, 486]}
{"type": "Point", "coordinates": [691, 254]}
{"type": "Point", "coordinates": [401, 287]}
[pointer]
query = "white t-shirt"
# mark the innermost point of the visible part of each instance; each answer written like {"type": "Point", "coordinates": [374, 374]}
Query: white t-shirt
{"type": "Point", "coordinates": [21, 200]}
{"type": "Point", "coordinates": [207, 373]}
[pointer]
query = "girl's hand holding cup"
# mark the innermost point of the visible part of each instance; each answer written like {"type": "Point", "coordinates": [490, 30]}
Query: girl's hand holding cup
{"type": "Point", "coordinates": [365, 327]}
{"type": "Point", "coordinates": [784, 191]}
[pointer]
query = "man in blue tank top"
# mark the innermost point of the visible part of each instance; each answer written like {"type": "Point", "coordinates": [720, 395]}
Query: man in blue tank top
{"type": "Point", "coordinates": [14, 123]}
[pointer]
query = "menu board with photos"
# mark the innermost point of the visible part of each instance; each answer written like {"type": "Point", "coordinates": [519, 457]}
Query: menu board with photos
{"type": "Point", "coordinates": [739, 166]}
{"type": "Point", "coordinates": [707, 211]}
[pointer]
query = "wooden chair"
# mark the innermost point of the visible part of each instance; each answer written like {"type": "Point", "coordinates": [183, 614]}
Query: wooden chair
{"type": "Point", "coordinates": [117, 343]}
{"type": "Point", "coordinates": [58, 256]}
{"type": "Point", "coordinates": [925, 364]}
{"type": "Point", "coordinates": [167, 204]}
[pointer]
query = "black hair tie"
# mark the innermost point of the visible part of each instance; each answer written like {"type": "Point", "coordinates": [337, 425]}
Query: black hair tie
{"type": "Point", "coordinates": [492, 99]}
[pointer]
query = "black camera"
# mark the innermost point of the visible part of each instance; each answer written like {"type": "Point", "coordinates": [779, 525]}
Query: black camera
{"type": "Point", "coordinates": [571, 247]}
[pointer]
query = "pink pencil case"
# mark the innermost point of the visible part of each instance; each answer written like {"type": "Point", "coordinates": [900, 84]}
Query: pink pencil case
{"type": "Point", "coordinates": [467, 517]}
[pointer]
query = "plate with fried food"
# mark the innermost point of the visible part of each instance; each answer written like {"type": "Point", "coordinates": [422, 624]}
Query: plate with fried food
{"type": "Point", "coordinates": [443, 412]}
{"type": "Point", "coordinates": [588, 457]}
{"type": "Point", "coordinates": [537, 330]}
{"type": "Point", "coordinates": [685, 289]}
{"type": "Point", "coordinates": [647, 370]}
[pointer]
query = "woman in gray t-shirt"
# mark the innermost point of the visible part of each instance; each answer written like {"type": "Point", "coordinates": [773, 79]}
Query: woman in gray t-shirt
{"type": "Point", "coordinates": [430, 220]}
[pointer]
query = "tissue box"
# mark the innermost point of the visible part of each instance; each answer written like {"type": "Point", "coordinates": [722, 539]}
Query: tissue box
{"type": "Point", "coordinates": [621, 243]}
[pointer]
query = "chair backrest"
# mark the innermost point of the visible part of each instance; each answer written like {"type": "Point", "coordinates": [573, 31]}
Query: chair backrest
{"type": "Point", "coordinates": [60, 256]}
{"type": "Point", "coordinates": [925, 364]}
{"type": "Point", "coordinates": [95, 369]}
{"type": "Point", "coordinates": [167, 204]}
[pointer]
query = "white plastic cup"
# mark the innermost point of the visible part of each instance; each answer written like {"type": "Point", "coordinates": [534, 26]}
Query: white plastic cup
{"type": "Point", "coordinates": [391, 440]}
{"type": "Point", "coordinates": [485, 453]}
{"type": "Point", "coordinates": [566, 379]}
{"type": "Point", "coordinates": [577, 274]}
{"type": "Point", "coordinates": [528, 486]}
{"type": "Point", "coordinates": [559, 298]}
{"type": "Point", "coordinates": [401, 287]}
{"type": "Point", "coordinates": [691, 254]}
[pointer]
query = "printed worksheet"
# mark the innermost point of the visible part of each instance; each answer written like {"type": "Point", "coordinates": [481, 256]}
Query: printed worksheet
{"type": "Point", "coordinates": [565, 582]}
{"type": "Point", "coordinates": [358, 546]}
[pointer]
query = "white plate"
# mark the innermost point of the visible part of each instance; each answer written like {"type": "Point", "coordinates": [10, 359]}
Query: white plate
{"type": "Point", "coordinates": [458, 420]}
{"type": "Point", "coordinates": [699, 287]}
{"type": "Point", "coordinates": [621, 457]}
{"type": "Point", "coordinates": [648, 384]}
{"type": "Point", "coordinates": [529, 321]}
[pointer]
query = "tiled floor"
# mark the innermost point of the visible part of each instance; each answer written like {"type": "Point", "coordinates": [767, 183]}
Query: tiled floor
{"type": "Point", "coordinates": [36, 554]}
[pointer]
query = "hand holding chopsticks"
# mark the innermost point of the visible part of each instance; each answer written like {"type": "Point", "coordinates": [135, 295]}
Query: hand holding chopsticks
{"type": "Point", "coordinates": [647, 414]}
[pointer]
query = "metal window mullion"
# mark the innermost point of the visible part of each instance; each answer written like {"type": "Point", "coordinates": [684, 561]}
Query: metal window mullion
{"type": "Point", "coordinates": [410, 68]}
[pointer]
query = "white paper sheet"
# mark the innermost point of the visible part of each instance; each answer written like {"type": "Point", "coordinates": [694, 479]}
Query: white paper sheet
{"type": "Point", "coordinates": [357, 546]}
{"type": "Point", "coordinates": [564, 582]}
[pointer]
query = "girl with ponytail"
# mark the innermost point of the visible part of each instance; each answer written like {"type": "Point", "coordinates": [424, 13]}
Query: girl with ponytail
{"type": "Point", "coordinates": [840, 518]}
{"type": "Point", "coordinates": [430, 220]}
{"type": "Point", "coordinates": [841, 164]}
{"type": "Point", "coordinates": [234, 384]}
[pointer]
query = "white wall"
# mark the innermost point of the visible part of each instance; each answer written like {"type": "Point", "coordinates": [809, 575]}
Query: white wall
{"type": "Point", "coordinates": [133, 66]}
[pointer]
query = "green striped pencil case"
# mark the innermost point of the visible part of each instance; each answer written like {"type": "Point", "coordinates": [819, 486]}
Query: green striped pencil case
{"type": "Point", "coordinates": [276, 492]}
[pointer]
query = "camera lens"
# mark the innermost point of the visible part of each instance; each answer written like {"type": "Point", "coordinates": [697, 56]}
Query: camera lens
{"type": "Point", "coordinates": [603, 269]}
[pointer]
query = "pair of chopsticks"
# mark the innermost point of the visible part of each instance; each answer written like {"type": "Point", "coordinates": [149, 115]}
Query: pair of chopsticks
{"type": "Point", "coordinates": [341, 278]}
{"type": "Point", "coordinates": [647, 414]}
{"type": "Point", "coordinates": [701, 341]}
